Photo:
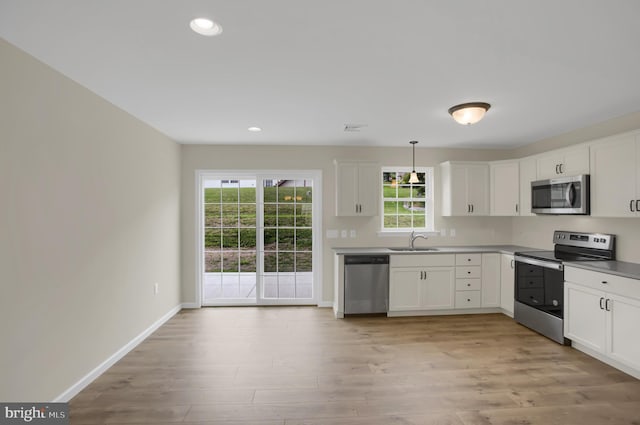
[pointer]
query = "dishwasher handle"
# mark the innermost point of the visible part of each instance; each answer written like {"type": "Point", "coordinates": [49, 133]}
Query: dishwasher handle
{"type": "Point", "coordinates": [366, 259]}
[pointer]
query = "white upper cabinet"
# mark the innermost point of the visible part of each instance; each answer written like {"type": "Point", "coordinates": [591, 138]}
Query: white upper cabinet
{"type": "Point", "coordinates": [357, 188]}
{"type": "Point", "coordinates": [615, 177]}
{"type": "Point", "coordinates": [465, 188]}
{"type": "Point", "coordinates": [527, 175]}
{"type": "Point", "coordinates": [563, 163]}
{"type": "Point", "coordinates": [505, 188]}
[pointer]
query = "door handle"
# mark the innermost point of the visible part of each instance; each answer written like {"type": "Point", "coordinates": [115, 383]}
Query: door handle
{"type": "Point", "coordinates": [606, 305]}
{"type": "Point", "coordinates": [601, 300]}
{"type": "Point", "coordinates": [571, 194]}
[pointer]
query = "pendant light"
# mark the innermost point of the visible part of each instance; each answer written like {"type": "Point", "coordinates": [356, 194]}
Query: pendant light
{"type": "Point", "coordinates": [469, 113]}
{"type": "Point", "coordinates": [414, 175]}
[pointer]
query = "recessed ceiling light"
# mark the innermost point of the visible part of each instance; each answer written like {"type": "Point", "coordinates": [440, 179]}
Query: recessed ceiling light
{"type": "Point", "coordinates": [204, 26]}
{"type": "Point", "coordinates": [254, 129]}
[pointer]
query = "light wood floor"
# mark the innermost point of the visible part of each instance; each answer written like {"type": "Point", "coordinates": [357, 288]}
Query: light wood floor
{"type": "Point", "coordinates": [295, 366]}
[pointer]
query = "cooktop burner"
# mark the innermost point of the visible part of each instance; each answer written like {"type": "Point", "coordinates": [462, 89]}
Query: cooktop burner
{"type": "Point", "coordinates": [557, 257]}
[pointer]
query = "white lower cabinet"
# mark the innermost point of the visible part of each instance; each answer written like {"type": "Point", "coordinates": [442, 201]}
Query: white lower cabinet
{"type": "Point", "coordinates": [507, 283]}
{"type": "Point", "coordinates": [444, 282]}
{"type": "Point", "coordinates": [585, 320]}
{"type": "Point", "coordinates": [490, 280]}
{"type": "Point", "coordinates": [602, 313]}
{"type": "Point", "coordinates": [421, 288]}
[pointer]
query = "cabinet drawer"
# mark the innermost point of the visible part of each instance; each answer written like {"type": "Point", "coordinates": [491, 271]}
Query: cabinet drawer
{"type": "Point", "coordinates": [468, 272]}
{"type": "Point", "coordinates": [467, 299]}
{"type": "Point", "coordinates": [603, 281]}
{"type": "Point", "coordinates": [468, 259]}
{"type": "Point", "coordinates": [467, 284]}
{"type": "Point", "coordinates": [422, 260]}
{"type": "Point", "coordinates": [531, 282]}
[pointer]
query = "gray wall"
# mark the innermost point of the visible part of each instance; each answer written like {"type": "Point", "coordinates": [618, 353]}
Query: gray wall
{"type": "Point", "coordinates": [537, 231]}
{"type": "Point", "coordinates": [89, 221]}
{"type": "Point", "coordinates": [485, 230]}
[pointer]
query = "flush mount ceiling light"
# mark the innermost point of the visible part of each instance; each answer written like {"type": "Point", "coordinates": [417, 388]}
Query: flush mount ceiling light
{"type": "Point", "coordinates": [254, 129]}
{"type": "Point", "coordinates": [205, 26]}
{"type": "Point", "coordinates": [469, 113]}
{"type": "Point", "coordinates": [414, 176]}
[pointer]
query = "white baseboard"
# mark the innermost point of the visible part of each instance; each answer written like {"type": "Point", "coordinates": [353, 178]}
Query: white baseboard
{"type": "Point", "coordinates": [190, 305]}
{"type": "Point", "coordinates": [100, 369]}
{"type": "Point", "coordinates": [325, 304]}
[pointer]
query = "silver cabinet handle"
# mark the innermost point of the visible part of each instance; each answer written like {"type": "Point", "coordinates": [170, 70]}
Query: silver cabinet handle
{"type": "Point", "coordinates": [561, 172]}
{"type": "Point", "coordinates": [601, 301]}
{"type": "Point", "coordinates": [637, 204]}
{"type": "Point", "coordinates": [557, 169]}
{"type": "Point", "coordinates": [516, 207]}
{"type": "Point", "coordinates": [604, 282]}
{"type": "Point", "coordinates": [607, 305]}
{"type": "Point", "coordinates": [631, 205]}
{"type": "Point", "coordinates": [468, 208]}
{"type": "Point", "coordinates": [471, 207]}
{"type": "Point", "coordinates": [512, 263]}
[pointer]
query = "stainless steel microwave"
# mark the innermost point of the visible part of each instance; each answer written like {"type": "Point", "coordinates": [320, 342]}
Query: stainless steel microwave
{"type": "Point", "coordinates": [565, 195]}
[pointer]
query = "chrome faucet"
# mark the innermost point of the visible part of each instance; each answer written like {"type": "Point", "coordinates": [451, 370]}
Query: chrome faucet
{"type": "Point", "coordinates": [414, 237]}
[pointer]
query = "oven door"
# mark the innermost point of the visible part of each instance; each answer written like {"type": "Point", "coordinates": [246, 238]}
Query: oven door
{"type": "Point", "coordinates": [540, 285]}
{"type": "Point", "coordinates": [567, 195]}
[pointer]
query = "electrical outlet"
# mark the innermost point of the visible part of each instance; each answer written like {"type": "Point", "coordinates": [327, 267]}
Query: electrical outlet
{"type": "Point", "coordinates": [452, 233]}
{"type": "Point", "coordinates": [443, 232]}
{"type": "Point", "coordinates": [332, 234]}
{"type": "Point", "coordinates": [156, 288]}
{"type": "Point", "coordinates": [343, 233]}
{"type": "Point", "coordinates": [352, 233]}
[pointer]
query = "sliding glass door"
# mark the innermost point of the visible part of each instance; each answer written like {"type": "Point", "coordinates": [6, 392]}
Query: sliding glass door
{"type": "Point", "coordinates": [257, 238]}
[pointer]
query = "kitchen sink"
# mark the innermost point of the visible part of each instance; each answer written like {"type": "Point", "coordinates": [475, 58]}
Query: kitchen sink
{"type": "Point", "coordinates": [406, 249]}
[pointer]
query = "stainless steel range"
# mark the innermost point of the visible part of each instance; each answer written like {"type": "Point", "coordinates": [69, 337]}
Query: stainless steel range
{"type": "Point", "coordinates": [539, 279]}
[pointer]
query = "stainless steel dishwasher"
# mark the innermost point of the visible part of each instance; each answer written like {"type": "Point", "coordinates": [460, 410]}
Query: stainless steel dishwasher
{"type": "Point", "coordinates": [366, 284]}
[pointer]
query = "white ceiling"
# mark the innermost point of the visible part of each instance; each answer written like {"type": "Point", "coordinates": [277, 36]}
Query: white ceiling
{"type": "Point", "coordinates": [302, 69]}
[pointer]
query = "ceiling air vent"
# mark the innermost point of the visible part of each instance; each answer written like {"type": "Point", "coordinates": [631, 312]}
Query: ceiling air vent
{"type": "Point", "coordinates": [351, 128]}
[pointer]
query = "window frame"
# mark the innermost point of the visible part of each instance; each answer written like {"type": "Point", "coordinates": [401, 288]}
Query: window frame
{"type": "Point", "coordinates": [429, 201]}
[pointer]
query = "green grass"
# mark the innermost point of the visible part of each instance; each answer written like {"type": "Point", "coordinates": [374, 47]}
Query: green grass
{"type": "Point", "coordinates": [230, 229]}
{"type": "Point", "coordinates": [247, 195]}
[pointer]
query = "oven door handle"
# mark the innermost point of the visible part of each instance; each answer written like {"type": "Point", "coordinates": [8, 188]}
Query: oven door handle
{"type": "Point", "coordinates": [541, 263]}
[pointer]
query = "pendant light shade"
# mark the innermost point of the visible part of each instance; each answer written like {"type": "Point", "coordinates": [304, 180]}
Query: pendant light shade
{"type": "Point", "coordinates": [414, 176]}
{"type": "Point", "coordinates": [469, 113]}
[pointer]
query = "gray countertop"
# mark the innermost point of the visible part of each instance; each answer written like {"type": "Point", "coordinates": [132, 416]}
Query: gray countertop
{"type": "Point", "coordinates": [619, 268]}
{"type": "Point", "coordinates": [504, 249]}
